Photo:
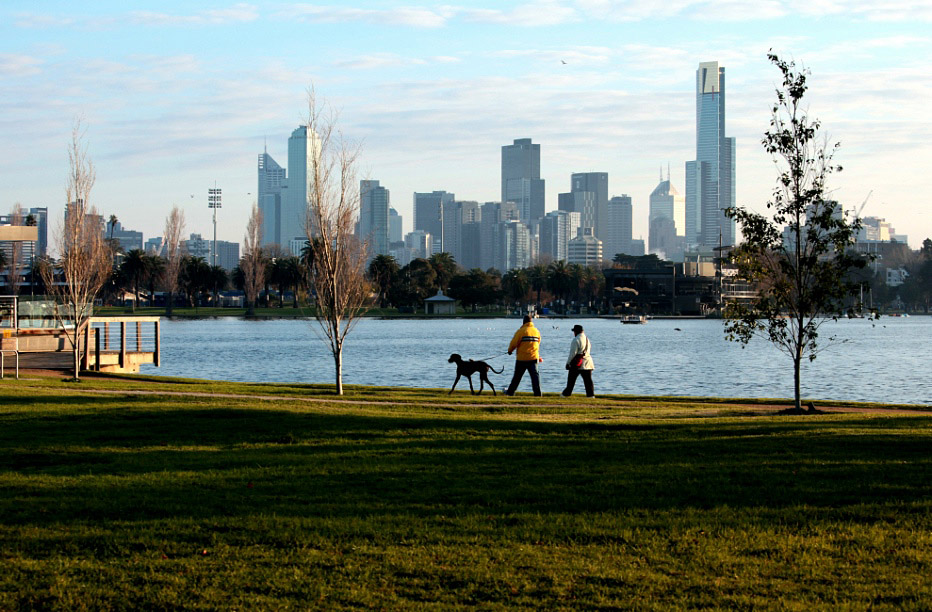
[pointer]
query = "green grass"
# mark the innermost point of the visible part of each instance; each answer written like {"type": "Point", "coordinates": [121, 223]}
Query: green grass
{"type": "Point", "coordinates": [413, 499]}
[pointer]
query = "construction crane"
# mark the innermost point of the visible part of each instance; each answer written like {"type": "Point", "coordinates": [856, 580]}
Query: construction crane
{"type": "Point", "coordinates": [863, 204]}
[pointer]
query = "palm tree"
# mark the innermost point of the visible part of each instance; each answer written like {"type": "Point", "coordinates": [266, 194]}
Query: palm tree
{"type": "Point", "coordinates": [560, 280]}
{"type": "Point", "coordinates": [133, 269]}
{"type": "Point", "coordinates": [218, 279]}
{"type": "Point", "coordinates": [155, 268]}
{"type": "Point", "coordinates": [195, 277]}
{"type": "Point", "coordinates": [382, 271]}
{"type": "Point", "coordinates": [112, 222]}
{"type": "Point", "coordinates": [516, 285]}
{"type": "Point", "coordinates": [444, 267]}
{"type": "Point", "coordinates": [537, 274]}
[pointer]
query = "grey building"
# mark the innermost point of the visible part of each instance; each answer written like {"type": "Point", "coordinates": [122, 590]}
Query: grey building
{"type": "Point", "coordinates": [619, 226]}
{"type": "Point", "coordinates": [394, 226]}
{"type": "Point", "coordinates": [582, 202]}
{"type": "Point", "coordinates": [374, 217]}
{"type": "Point", "coordinates": [491, 215]}
{"type": "Point", "coordinates": [303, 148]}
{"type": "Point", "coordinates": [585, 249]}
{"type": "Point", "coordinates": [710, 178]}
{"type": "Point", "coordinates": [127, 239]}
{"type": "Point", "coordinates": [595, 183]}
{"type": "Point", "coordinates": [557, 228]}
{"type": "Point", "coordinates": [428, 216]}
{"type": "Point", "coordinates": [269, 199]}
{"type": "Point", "coordinates": [521, 182]}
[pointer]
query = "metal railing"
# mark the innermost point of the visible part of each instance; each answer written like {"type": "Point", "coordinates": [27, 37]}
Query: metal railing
{"type": "Point", "coordinates": [121, 336]}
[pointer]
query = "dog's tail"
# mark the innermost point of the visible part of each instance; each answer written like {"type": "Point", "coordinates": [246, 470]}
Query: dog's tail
{"type": "Point", "coordinates": [497, 371]}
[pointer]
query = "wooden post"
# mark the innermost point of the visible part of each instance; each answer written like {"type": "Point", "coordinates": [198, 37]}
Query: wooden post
{"type": "Point", "coordinates": [158, 351]}
{"type": "Point", "coordinates": [138, 336]}
{"type": "Point", "coordinates": [85, 359]}
{"type": "Point", "coordinates": [122, 344]}
{"type": "Point", "coordinates": [97, 349]}
{"type": "Point", "coordinates": [107, 336]}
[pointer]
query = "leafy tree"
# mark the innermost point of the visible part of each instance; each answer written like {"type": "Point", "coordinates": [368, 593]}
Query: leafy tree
{"type": "Point", "coordinates": [252, 263]}
{"type": "Point", "coordinates": [217, 281]}
{"type": "Point", "coordinates": [805, 279]}
{"type": "Point", "coordinates": [195, 278]}
{"type": "Point", "coordinates": [133, 268]}
{"type": "Point", "coordinates": [592, 284]}
{"type": "Point", "coordinates": [926, 250]}
{"type": "Point", "coordinates": [382, 272]}
{"type": "Point", "coordinates": [475, 288]}
{"type": "Point", "coordinates": [154, 274]}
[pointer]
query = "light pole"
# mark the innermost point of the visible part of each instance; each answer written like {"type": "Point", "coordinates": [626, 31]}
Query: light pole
{"type": "Point", "coordinates": [214, 202]}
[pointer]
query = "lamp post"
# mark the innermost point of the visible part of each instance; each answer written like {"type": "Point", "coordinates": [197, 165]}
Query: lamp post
{"type": "Point", "coordinates": [214, 202]}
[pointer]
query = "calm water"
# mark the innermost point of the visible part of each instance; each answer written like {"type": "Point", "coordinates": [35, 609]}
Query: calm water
{"type": "Point", "coordinates": [885, 361]}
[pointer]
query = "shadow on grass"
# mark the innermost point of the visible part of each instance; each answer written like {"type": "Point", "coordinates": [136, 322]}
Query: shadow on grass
{"type": "Point", "coordinates": [140, 463]}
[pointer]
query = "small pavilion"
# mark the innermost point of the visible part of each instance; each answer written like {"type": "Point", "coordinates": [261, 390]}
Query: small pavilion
{"type": "Point", "coordinates": [440, 304]}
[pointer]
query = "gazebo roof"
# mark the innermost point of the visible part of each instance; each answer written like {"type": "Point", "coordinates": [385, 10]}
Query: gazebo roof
{"type": "Point", "coordinates": [440, 297]}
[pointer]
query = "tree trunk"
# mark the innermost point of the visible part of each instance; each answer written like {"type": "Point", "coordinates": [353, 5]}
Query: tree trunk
{"type": "Point", "coordinates": [796, 366]}
{"type": "Point", "coordinates": [168, 304]}
{"type": "Point", "coordinates": [338, 364]}
{"type": "Point", "coordinates": [77, 357]}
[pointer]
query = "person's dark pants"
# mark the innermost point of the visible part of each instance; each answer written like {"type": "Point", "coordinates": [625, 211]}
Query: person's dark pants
{"type": "Point", "coordinates": [571, 381]}
{"type": "Point", "coordinates": [520, 368]}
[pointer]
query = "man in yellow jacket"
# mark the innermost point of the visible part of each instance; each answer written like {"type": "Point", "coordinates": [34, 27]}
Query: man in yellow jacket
{"type": "Point", "coordinates": [527, 342]}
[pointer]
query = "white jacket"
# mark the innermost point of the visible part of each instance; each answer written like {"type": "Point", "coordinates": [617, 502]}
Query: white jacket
{"type": "Point", "coordinates": [579, 344]}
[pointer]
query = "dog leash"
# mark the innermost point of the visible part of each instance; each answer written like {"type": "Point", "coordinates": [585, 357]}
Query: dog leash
{"type": "Point", "coordinates": [493, 356]}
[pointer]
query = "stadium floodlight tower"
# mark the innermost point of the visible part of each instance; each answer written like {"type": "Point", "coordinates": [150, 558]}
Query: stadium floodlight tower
{"type": "Point", "coordinates": [214, 201]}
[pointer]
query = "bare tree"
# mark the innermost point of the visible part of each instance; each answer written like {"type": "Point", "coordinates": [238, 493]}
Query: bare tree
{"type": "Point", "coordinates": [174, 230]}
{"type": "Point", "coordinates": [338, 275]}
{"type": "Point", "coordinates": [15, 257]}
{"type": "Point", "coordinates": [85, 261]}
{"type": "Point", "coordinates": [253, 262]}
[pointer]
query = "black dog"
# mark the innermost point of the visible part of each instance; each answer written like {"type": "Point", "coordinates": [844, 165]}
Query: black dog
{"type": "Point", "coordinates": [468, 368]}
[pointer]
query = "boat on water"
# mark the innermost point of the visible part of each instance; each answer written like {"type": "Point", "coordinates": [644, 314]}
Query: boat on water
{"type": "Point", "coordinates": [633, 319]}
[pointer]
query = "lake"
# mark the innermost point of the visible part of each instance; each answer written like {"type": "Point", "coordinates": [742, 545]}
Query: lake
{"type": "Point", "coordinates": [883, 361]}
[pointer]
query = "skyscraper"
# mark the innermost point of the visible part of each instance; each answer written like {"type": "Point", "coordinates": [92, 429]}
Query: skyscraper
{"type": "Point", "coordinates": [710, 178]}
{"type": "Point", "coordinates": [557, 228]}
{"type": "Point", "coordinates": [428, 215]}
{"type": "Point", "coordinates": [303, 148]}
{"type": "Point", "coordinates": [666, 219]}
{"type": "Point", "coordinates": [373, 216]}
{"type": "Point", "coordinates": [595, 183]}
{"type": "Point", "coordinates": [269, 200]}
{"type": "Point", "coordinates": [620, 227]}
{"type": "Point", "coordinates": [521, 182]}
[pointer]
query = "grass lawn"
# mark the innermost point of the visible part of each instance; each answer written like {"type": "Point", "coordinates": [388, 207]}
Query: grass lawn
{"type": "Point", "coordinates": [413, 499]}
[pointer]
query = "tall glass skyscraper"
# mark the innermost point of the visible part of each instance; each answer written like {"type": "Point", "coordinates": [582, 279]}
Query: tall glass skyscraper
{"type": "Point", "coordinates": [710, 179]}
{"type": "Point", "coordinates": [269, 200]}
{"type": "Point", "coordinates": [373, 216]}
{"type": "Point", "coordinates": [303, 147]}
{"type": "Point", "coordinates": [521, 182]}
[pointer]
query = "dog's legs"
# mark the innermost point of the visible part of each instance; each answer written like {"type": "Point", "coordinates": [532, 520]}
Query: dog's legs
{"type": "Point", "coordinates": [454, 383]}
{"type": "Point", "coordinates": [471, 390]}
{"type": "Point", "coordinates": [491, 386]}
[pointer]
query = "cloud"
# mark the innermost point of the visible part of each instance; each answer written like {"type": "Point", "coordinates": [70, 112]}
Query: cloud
{"type": "Point", "coordinates": [413, 17]}
{"type": "Point", "coordinates": [17, 65]}
{"type": "Point", "coordinates": [235, 14]}
{"type": "Point", "coordinates": [533, 14]}
{"type": "Point", "coordinates": [41, 22]}
{"type": "Point", "coordinates": [570, 55]}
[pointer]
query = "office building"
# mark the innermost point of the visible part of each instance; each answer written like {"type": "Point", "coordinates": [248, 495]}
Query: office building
{"type": "Point", "coordinates": [521, 182]}
{"type": "Point", "coordinates": [127, 240]}
{"type": "Point", "coordinates": [420, 244]}
{"type": "Point", "coordinates": [582, 202]}
{"type": "Point", "coordinates": [710, 178]}
{"type": "Point", "coordinates": [428, 216]}
{"type": "Point", "coordinates": [619, 226]}
{"type": "Point", "coordinates": [303, 149]}
{"type": "Point", "coordinates": [595, 183]}
{"type": "Point", "coordinates": [557, 228]}
{"type": "Point", "coordinates": [374, 217]}
{"type": "Point", "coordinates": [491, 215]}
{"type": "Point", "coordinates": [666, 201]}
{"type": "Point", "coordinates": [269, 199]}
{"type": "Point", "coordinates": [395, 229]}
{"type": "Point", "coordinates": [585, 249]}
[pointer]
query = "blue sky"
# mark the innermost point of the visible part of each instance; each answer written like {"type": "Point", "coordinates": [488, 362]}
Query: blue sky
{"type": "Point", "coordinates": [177, 95]}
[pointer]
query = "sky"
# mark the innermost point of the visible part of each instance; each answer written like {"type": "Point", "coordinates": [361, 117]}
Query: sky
{"type": "Point", "coordinates": [179, 96]}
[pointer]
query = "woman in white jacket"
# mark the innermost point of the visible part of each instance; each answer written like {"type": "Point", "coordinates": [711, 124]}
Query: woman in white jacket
{"type": "Point", "coordinates": [579, 363]}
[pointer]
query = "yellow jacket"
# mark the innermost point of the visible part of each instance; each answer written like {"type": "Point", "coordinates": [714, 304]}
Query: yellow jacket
{"type": "Point", "coordinates": [527, 341]}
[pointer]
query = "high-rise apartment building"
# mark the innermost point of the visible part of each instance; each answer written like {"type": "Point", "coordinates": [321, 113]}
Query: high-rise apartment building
{"type": "Point", "coordinates": [428, 216]}
{"type": "Point", "coordinates": [269, 199]}
{"type": "Point", "coordinates": [374, 216]}
{"type": "Point", "coordinates": [619, 227]}
{"type": "Point", "coordinates": [585, 249]}
{"type": "Point", "coordinates": [521, 182]}
{"type": "Point", "coordinates": [710, 178]}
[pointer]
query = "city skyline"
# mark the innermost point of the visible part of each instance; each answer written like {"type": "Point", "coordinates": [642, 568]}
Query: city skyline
{"type": "Point", "coordinates": [176, 97]}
